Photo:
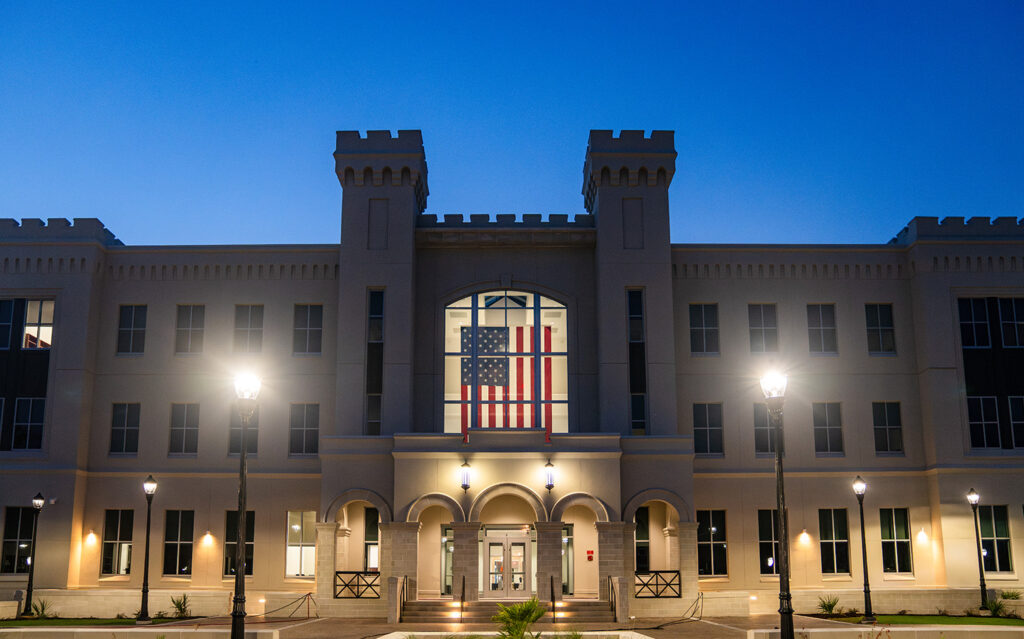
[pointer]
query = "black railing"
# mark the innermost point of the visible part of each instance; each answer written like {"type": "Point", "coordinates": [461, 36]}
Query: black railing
{"type": "Point", "coordinates": [657, 584]}
{"type": "Point", "coordinates": [356, 584]}
{"type": "Point", "coordinates": [611, 592]}
{"type": "Point", "coordinates": [462, 599]}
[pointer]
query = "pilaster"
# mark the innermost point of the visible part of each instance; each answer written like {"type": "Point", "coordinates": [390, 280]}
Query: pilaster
{"type": "Point", "coordinates": [466, 559]}
{"type": "Point", "coordinates": [687, 558]}
{"type": "Point", "coordinates": [326, 557]}
{"type": "Point", "coordinates": [672, 553]}
{"type": "Point", "coordinates": [399, 545]}
{"type": "Point", "coordinates": [614, 553]}
{"type": "Point", "coordinates": [549, 559]}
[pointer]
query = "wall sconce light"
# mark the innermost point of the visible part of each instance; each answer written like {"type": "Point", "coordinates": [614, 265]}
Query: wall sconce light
{"type": "Point", "coordinates": [464, 476]}
{"type": "Point", "coordinates": [207, 539]}
{"type": "Point", "coordinates": [922, 537]}
{"type": "Point", "coordinates": [90, 539]}
{"type": "Point", "coordinates": [804, 538]}
{"type": "Point", "coordinates": [549, 475]}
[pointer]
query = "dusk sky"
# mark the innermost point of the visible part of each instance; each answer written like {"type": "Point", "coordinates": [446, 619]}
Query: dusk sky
{"type": "Point", "coordinates": [213, 123]}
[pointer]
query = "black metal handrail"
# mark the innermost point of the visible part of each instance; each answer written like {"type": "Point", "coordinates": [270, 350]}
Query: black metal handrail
{"type": "Point", "coordinates": [462, 598]}
{"type": "Point", "coordinates": [356, 584]}
{"type": "Point", "coordinates": [402, 598]}
{"type": "Point", "coordinates": [611, 592]}
{"type": "Point", "coordinates": [658, 584]}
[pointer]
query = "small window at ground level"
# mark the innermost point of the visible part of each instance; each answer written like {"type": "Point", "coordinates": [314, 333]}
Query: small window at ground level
{"type": "Point", "coordinates": [371, 540]}
{"type": "Point", "coordinates": [835, 541]}
{"type": "Point", "coordinates": [17, 542]}
{"type": "Point", "coordinates": [231, 540]}
{"type": "Point", "coordinates": [994, 522]}
{"type": "Point", "coordinates": [896, 549]}
{"type": "Point", "coordinates": [301, 552]}
{"type": "Point", "coordinates": [712, 555]}
{"type": "Point", "coordinates": [117, 542]}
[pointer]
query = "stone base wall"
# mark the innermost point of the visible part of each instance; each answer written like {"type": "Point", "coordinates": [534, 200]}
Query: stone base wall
{"type": "Point", "coordinates": [354, 608]}
{"type": "Point", "coordinates": [110, 603]}
{"type": "Point", "coordinates": [923, 601]}
{"type": "Point", "coordinates": [9, 609]}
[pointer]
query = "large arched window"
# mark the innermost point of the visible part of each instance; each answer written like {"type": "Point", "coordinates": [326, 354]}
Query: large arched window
{"type": "Point", "coordinates": [505, 363]}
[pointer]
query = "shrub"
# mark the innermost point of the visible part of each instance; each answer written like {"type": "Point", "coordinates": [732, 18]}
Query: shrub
{"type": "Point", "coordinates": [1010, 594]}
{"type": "Point", "coordinates": [941, 612]}
{"type": "Point", "coordinates": [181, 606]}
{"type": "Point", "coordinates": [514, 621]}
{"type": "Point", "coordinates": [853, 612]}
{"type": "Point", "coordinates": [42, 609]}
{"type": "Point", "coordinates": [996, 607]}
{"type": "Point", "coordinates": [829, 604]}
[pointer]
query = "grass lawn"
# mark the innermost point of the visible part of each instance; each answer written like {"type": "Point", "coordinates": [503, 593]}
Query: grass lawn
{"type": "Point", "coordinates": [12, 623]}
{"type": "Point", "coordinates": [938, 620]}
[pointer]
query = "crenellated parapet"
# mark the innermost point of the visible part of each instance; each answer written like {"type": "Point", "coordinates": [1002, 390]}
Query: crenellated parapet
{"type": "Point", "coordinates": [505, 230]}
{"type": "Point", "coordinates": [957, 229]}
{"type": "Point", "coordinates": [382, 160]}
{"type": "Point", "coordinates": [505, 221]}
{"type": "Point", "coordinates": [57, 229]}
{"type": "Point", "coordinates": [632, 159]}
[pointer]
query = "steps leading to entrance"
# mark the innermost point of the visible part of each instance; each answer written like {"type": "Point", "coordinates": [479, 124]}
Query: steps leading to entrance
{"type": "Point", "coordinates": [447, 611]}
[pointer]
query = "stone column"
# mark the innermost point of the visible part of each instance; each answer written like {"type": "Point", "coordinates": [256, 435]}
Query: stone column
{"type": "Point", "coordinates": [687, 549]}
{"type": "Point", "coordinates": [399, 546]}
{"type": "Point", "coordinates": [614, 554]}
{"type": "Point", "coordinates": [466, 559]}
{"type": "Point", "coordinates": [671, 547]}
{"type": "Point", "coordinates": [325, 559]}
{"type": "Point", "coordinates": [549, 559]}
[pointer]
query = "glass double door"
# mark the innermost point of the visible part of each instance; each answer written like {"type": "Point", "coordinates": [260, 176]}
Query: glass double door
{"type": "Point", "coordinates": [507, 564]}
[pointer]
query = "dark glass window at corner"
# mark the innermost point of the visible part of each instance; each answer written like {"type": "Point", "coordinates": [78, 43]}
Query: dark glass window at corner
{"type": "Point", "coordinates": [184, 429]}
{"type": "Point", "coordinates": [764, 328]}
{"type": "Point", "coordinates": [131, 329]}
{"type": "Point", "coordinates": [24, 429]}
{"type": "Point", "coordinates": [768, 541]}
{"type": "Point", "coordinates": [38, 324]}
{"type": "Point", "coordinates": [26, 328]}
{"type": "Point", "coordinates": [983, 422]}
{"type": "Point", "coordinates": [637, 345]}
{"type": "Point", "coordinates": [124, 428]}
{"type": "Point", "coordinates": [374, 360]}
{"type": "Point", "coordinates": [307, 334]}
{"type": "Point", "coordinates": [248, 328]}
{"type": "Point", "coordinates": [994, 524]}
{"type": "Point", "coordinates": [828, 428]}
{"type": "Point", "coordinates": [178, 542]}
{"type": "Point", "coordinates": [304, 429]}
{"type": "Point", "coordinates": [643, 539]}
{"type": "Point", "coordinates": [703, 328]}
{"type": "Point", "coordinates": [1017, 421]}
{"type": "Point", "coordinates": [188, 332]}
{"type": "Point", "coordinates": [1011, 321]}
{"type": "Point", "coordinates": [6, 323]}
{"type": "Point", "coordinates": [888, 427]}
{"type": "Point", "coordinates": [116, 556]}
{"type": "Point", "coordinates": [764, 434]}
{"type": "Point", "coordinates": [231, 540]}
{"type": "Point", "coordinates": [974, 330]}
{"type": "Point", "coordinates": [712, 552]}
{"type": "Point", "coordinates": [252, 433]}
{"type": "Point", "coordinates": [17, 541]}
{"type": "Point", "coordinates": [881, 328]}
{"type": "Point", "coordinates": [821, 328]}
{"type": "Point", "coordinates": [707, 429]}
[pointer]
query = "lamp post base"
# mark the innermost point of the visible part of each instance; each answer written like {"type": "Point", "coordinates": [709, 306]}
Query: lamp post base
{"type": "Point", "coordinates": [869, 619]}
{"type": "Point", "coordinates": [143, 622]}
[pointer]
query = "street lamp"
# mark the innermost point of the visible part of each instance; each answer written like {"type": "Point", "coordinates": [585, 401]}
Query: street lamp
{"type": "Point", "coordinates": [464, 476]}
{"type": "Point", "coordinates": [37, 506]}
{"type": "Point", "coordinates": [148, 487]}
{"type": "Point", "coordinates": [549, 475]}
{"type": "Point", "coordinates": [247, 389]}
{"type": "Point", "coordinates": [859, 488]}
{"type": "Point", "coordinates": [973, 498]}
{"type": "Point", "coordinates": [773, 385]}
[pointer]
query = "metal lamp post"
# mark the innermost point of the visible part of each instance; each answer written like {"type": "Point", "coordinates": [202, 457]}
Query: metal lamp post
{"type": "Point", "coordinates": [247, 389]}
{"type": "Point", "coordinates": [859, 488]}
{"type": "Point", "coordinates": [148, 487]}
{"type": "Point", "coordinates": [773, 385]}
{"type": "Point", "coordinates": [973, 498]}
{"type": "Point", "coordinates": [37, 506]}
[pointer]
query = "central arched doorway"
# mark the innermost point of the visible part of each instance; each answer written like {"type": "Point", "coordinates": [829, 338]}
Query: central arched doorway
{"type": "Point", "coordinates": [508, 540]}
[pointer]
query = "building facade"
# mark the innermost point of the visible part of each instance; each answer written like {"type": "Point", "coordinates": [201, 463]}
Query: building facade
{"type": "Point", "coordinates": [497, 407]}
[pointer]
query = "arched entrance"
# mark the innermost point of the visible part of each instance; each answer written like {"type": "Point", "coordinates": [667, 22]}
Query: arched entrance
{"type": "Point", "coordinates": [508, 514]}
{"type": "Point", "coordinates": [578, 514]}
{"type": "Point", "coordinates": [657, 543]}
{"type": "Point", "coordinates": [435, 513]}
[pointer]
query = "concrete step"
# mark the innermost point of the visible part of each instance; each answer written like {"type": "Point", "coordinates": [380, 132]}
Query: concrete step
{"type": "Point", "coordinates": [446, 611]}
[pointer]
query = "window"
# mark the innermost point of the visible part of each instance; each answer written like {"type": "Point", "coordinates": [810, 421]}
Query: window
{"type": "Point", "coordinates": [117, 542]}
{"type": "Point", "coordinates": [637, 346]}
{"type": "Point", "coordinates": [248, 328]}
{"type": "Point", "coordinates": [506, 363]}
{"type": "Point", "coordinates": [711, 545]}
{"type": "Point", "coordinates": [1016, 421]}
{"type": "Point", "coordinates": [231, 540]}
{"type": "Point", "coordinates": [38, 324]}
{"type": "Point", "coordinates": [703, 328]}
{"type": "Point", "coordinates": [304, 429]}
{"type": "Point", "coordinates": [896, 555]}
{"type": "Point", "coordinates": [131, 329]}
{"type": "Point", "coordinates": [371, 539]}
{"type": "Point", "coordinates": [6, 323]}
{"type": "Point", "coordinates": [983, 420]}
{"type": "Point", "coordinates": [184, 429]}
{"type": "Point", "coordinates": [25, 432]}
{"type": "Point", "coordinates": [973, 322]}
{"type": "Point", "coordinates": [835, 541]}
{"type": "Point", "coordinates": [308, 332]}
{"type": "Point", "coordinates": [188, 336]}
{"type": "Point", "coordinates": [568, 561]}
{"type": "Point", "coordinates": [178, 542]}
{"type": "Point", "coordinates": [764, 434]}
{"type": "Point", "coordinates": [821, 328]}
{"type": "Point", "coordinates": [642, 538]}
{"type": "Point", "coordinates": [252, 433]}
{"type": "Point", "coordinates": [124, 429]}
{"type": "Point", "coordinates": [881, 331]}
{"type": "Point", "coordinates": [1011, 320]}
{"type": "Point", "coordinates": [707, 429]}
{"type": "Point", "coordinates": [374, 360]}
{"type": "Point", "coordinates": [828, 428]}
{"type": "Point", "coordinates": [764, 328]}
{"type": "Point", "coordinates": [17, 543]}
{"type": "Point", "coordinates": [995, 538]}
{"type": "Point", "coordinates": [300, 559]}
{"type": "Point", "coordinates": [768, 540]}
{"type": "Point", "coordinates": [888, 427]}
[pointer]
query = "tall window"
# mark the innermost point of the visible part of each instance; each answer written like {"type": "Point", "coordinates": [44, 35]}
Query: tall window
{"type": "Point", "coordinates": [881, 330]}
{"type": "Point", "coordinates": [896, 550]}
{"type": "Point", "coordinates": [983, 420]}
{"type": "Point", "coordinates": [25, 431]}
{"type": "Point", "coordinates": [304, 429]}
{"type": "Point", "coordinates": [231, 540]}
{"type": "Point", "coordinates": [309, 327]}
{"type": "Point", "coordinates": [637, 361]}
{"type": "Point", "coordinates": [184, 429]}
{"type": "Point", "coordinates": [703, 328]}
{"type": "Point", "coordinates": [835, 541]}
{"type": "Point", "coordinates": [188, 334]}
{"type": "Point", "coordinates": [131, 329]}
{"type": "Point", "coordinates": [252, 433]}
{"type": "Point", "coordinates": [642, 538]}
{"type": "Point", "coordinates": [248, 328]}
{"type": "Point", "coordinates": [1011, 321]}
{"type": "Point", "coordinates": [973, 322]}
{"type": "Point", "coordinates": [17, 542]}
{"type": "Point", "coordinates": [711, 544]}
{"type": "Point", "coordinates": [764, 328]}
{"type": "Point", "coordinates": [995, 538]}
{"type": "Point", "coordinates": [117, 542]}
{"type": "Point", "coordinates": [888, 427]}
{"type": "Point", "coordinates": [821, 328]}
{"type": "Point", "coordinates": [124, 429]}
{"type": "Point", "coordinates": [300, 559]}
{"type": "Point", "coordinates": [178, 542]}
{"type": "Point", "coordinates": [828, 428]}
{"type": "Point", "coordinates": [6, 323]}
{"type": "Point", "coordinates": [764, 434]}
{"type": "Point", "coordinates": [506, 363]}
{"type": "Point", "coordinates": [1016, 421]}
{"type": "Point", "coordinates": [371, 540]}
{"type": "Point", "coordinates": [374, 360]}
{"type": "Point", "coordinates": [38, 324]}
{"type": "Point", "coordinates": [707, 429]}
{"type": "Point", "coordinates": [768, 541]}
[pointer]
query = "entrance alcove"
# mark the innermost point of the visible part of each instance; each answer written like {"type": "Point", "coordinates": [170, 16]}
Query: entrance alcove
{"type": "Point", "coordinates": [579, 534]}
{"type": "Point", "coordinates": [508, 547]}
{"type": "Point", "coordinates": [358, 539]}
{"type": "Point", "coordinates": [436, 546]}
{"type": "Point", "coordinates": [656, 537]}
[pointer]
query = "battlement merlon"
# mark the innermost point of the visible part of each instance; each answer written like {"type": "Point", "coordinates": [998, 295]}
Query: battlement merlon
{"type": "Point", "coordinates": [57, 229]}
{"type": "Point", "coordinates": [379, 158]}
{"type": "Point", "coordinates": [629, 159]}
{"type": "Point", "coordinates": [955, 229]}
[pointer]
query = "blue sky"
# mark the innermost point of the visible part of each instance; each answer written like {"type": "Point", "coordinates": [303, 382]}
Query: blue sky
{"type": "Point", "coordinates": [205, 123]}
